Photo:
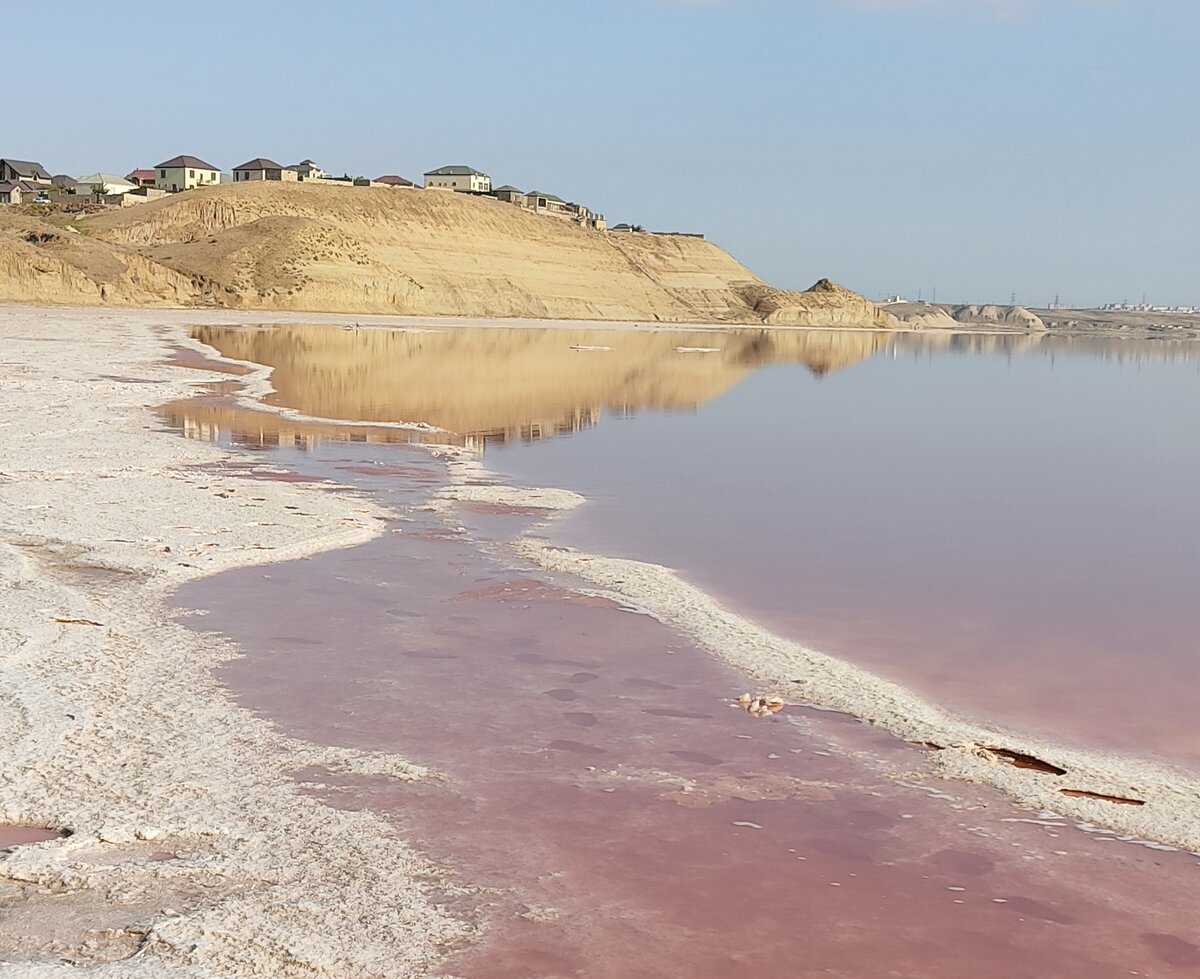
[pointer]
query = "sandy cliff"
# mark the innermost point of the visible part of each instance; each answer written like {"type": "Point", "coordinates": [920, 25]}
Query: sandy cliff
{"type": "Point", "coordinates": [375, 250]}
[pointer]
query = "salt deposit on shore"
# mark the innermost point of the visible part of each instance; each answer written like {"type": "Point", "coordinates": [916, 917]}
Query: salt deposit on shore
{"type": "Point", "coordinates": [1143, 800]}
{"type": "Point", "coordinates": [191, 850]}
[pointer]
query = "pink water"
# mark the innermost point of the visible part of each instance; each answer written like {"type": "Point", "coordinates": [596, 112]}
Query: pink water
{"type": "Point", "coordinates": [1015, 538]}
{"type": "Point", "coordinates": [626, 820]}
{"type": "Point", "coordinates": [21, 835]}
{"type": "Point", "coordinates": [622, 817]}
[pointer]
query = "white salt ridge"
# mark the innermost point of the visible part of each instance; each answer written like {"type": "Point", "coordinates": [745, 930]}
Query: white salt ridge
{"type": "Point", "coordinates": [1170, 813]}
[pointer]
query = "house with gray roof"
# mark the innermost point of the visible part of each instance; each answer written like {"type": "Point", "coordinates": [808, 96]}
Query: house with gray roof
{"type": "Point", "coordinates": [307, 170]}
{"type": "Point", "coordinates": [260, 168]}
{"type": "Point", "coordinates": [22, 191]}
{"type": "Point", "coordinates": [184, 173]}
{"type": "Point", "coordinates": [510, 195]}
{"type": "Point", "coordinates": [12, 171]}
{"type": "Point", "coordinates": [461, 178]}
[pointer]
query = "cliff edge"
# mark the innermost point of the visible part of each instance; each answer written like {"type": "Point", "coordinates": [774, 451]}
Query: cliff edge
{"type": "Point", "coordinates": [376, 250]}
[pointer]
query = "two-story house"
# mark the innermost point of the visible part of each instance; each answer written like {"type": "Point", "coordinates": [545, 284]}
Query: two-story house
{"type": "Point", "coordinates": [12, 171]}
{"type": "Point", "coordinates": [184, 173]}
{"type": "Point", "coordinates": [460, 178]}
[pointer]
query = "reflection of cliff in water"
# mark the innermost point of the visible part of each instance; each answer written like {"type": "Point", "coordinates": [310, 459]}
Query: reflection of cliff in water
{"type": "Point", "coordinates": [495, 384]}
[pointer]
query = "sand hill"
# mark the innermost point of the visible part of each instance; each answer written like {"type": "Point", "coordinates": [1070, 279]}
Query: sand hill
{"type": "Point", "coordinates": [375, 250]}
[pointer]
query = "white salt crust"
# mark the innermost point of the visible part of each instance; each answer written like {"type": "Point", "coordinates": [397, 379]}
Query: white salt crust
{"type": "Point", "coordinates": [192, 852]}
{"type": "Point", "coordinates": [1171, 796]}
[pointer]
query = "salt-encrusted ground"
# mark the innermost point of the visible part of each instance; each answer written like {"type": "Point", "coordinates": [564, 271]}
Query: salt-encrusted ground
{"type": "Point", "coordinates": [191, 851]}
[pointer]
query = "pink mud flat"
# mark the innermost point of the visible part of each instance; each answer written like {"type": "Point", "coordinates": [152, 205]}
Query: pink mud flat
{"type": "Point", "coordinates": [625, 820]}
{"type": "Point", "coordinates": [21, 835]}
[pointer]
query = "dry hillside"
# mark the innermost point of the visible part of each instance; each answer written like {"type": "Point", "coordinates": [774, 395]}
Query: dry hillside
{"type": "Point", "coordinates": [375, 250]}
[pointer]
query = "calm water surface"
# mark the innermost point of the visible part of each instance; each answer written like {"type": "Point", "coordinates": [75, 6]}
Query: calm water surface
{"type": "Point", "coordinates": [1016, 536]}
{"type": "Point", "coordinates": [623, 820]}
{"type": "Point", "coordinates": [1006, 524]}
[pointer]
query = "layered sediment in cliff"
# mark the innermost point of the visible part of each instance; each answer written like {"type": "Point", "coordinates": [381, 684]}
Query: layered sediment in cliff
{"type": "Point", "coordinates": [373, 250]}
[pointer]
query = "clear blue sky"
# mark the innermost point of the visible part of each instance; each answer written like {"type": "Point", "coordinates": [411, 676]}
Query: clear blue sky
{"type": "Point", "coordinates": [979, 147]}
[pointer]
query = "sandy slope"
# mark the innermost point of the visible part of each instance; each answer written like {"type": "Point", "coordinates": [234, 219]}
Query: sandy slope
{"type": "Point", "coordinates": [317, 248]}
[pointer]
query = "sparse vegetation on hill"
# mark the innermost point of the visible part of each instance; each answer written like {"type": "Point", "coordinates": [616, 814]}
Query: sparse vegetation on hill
{"type": "Point", "coordinates": [334, 249]}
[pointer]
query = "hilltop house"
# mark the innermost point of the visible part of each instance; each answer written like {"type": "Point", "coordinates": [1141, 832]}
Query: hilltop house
{"type": "Point", "coordinates": [113, 185]}
{"type": "Point", "coordinates": [391, 180]}
{"type": "Point", "coordinates": [306, 170]}
{"type": "Point", "coordinates": [543, 203]}
{"type": "Point", "coordinates": [509, 194]}
{"type": "Point", "coordinates": [460, 178]}
{"type": "Point", "coordinates": [263, 169]}
{"type": "Point", "coordinates": [142, 178]}
{"type": "Point", "coordinates": [12, 171]}
{"type": "Point", "coordinates": [184, 173]}
{"type": "Point", "coordinates": [21, 191]}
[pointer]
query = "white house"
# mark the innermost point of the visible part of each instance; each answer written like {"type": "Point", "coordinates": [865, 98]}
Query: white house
{"type": "Point", "coordinates": [184, 173]}
{"type": "Point", "coordinates": [111, 182]}
{"type": "Point", "coordinates": [307, 170]}
{"type": "Point", "coordinates": [459, 178]}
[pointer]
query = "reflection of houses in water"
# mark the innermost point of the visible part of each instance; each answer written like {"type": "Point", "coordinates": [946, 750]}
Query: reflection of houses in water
{"type": "Point", "coordinates": [579, 420]}
{"type": "Point", "coordinates": [250, 429]}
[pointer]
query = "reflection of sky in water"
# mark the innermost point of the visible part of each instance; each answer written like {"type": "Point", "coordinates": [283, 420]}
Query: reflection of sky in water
{"type": "Point", "coordinates": [1017, 535]}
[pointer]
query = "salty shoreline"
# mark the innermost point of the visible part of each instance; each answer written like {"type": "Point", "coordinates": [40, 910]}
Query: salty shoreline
{"type": "Point", "coordinates": [185, 825]}
{"type": "Point", "coordinates": [237, 869]}
{"type": "Point", "coordinates": [1143, 800]}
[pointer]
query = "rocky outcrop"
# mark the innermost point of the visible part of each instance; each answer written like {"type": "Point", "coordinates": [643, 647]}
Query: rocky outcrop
{"type": "Point", "coordinates": [1012, 316]}
{"type": "Point", "coordinates": [823, 304]}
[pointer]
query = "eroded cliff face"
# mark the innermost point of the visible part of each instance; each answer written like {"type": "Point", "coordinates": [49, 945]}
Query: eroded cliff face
{"type": "Point", "coordinates": [40, 263]}
{"type": "Point", "coordinates": [374, 250]}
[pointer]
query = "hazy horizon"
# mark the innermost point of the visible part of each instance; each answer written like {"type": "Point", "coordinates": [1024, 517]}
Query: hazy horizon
{"type": "Point", "coordinates": [979, 148]}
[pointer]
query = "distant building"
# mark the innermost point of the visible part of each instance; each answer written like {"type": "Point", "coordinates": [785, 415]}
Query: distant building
{"type": "Point", "coordinates": [366, 182]}
{"type": "Point", "coordinates": [64, 183]}
{"type": "Point", "coordinates": [22, 191]}
{"type": "Point", "coordinates": [392, 180]}
{"type": "Point", "coordinates": [112, 184]}
{"type": "Point", "coordinates": [460, 178]}
{"type": "Point", "coordinates": [184, 173]}
{"type": "Point", "coordinates": [306, 170]}
{"type": "Point", "coordinates": [142, 178]}
{"type": "Point", "coordinates": [137, 196]}
{"type": "Point", "coordinates": [12, 171]}
{"type": "Point", "coordinates": [544, 203]}
{"type": "Point", "coordinates": [510, 195]}
{"type": "Point", "coordinates": [262, 169]}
